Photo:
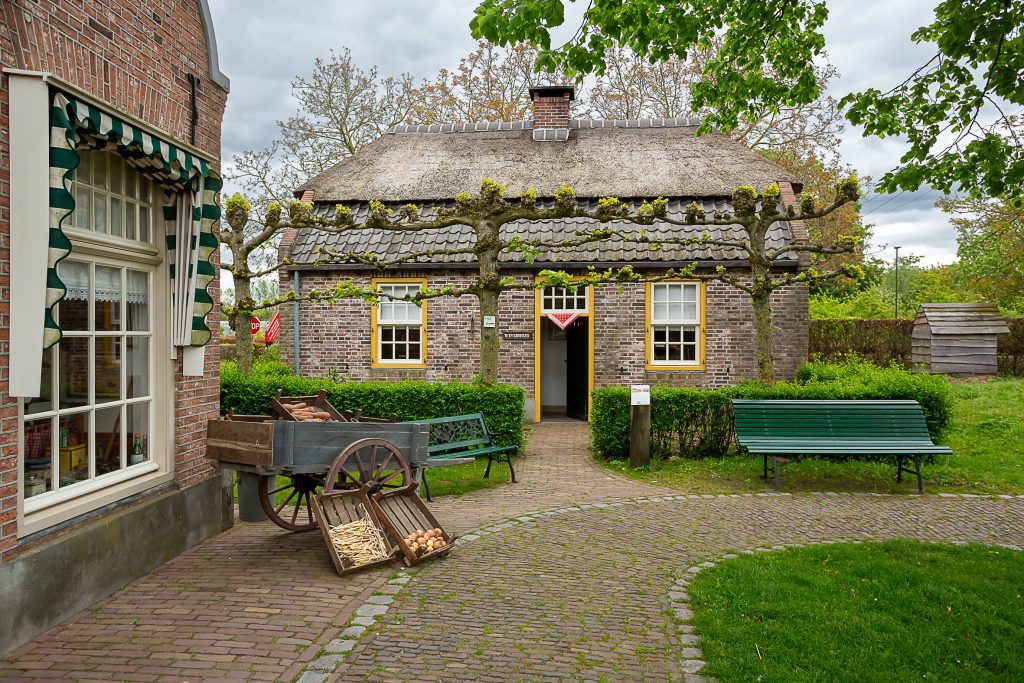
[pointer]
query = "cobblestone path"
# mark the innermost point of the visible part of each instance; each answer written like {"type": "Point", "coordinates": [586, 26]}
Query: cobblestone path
{"type": "Point", "coordinates": [577, 593]}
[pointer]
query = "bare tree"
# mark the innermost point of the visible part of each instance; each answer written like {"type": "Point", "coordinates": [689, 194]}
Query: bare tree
{"type": "Point", "coordinates": [633, 87]}
{"type": "Point", "coordinates": [490, 84]}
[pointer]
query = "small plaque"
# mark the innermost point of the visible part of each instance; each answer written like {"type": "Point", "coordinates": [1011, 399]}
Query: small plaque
{"type": "Point", "coordinates": [490, 321]}
{"type": "Point", "coordinates": [517, 335]}
{"type": "Point", "coordinates": [640, 395]}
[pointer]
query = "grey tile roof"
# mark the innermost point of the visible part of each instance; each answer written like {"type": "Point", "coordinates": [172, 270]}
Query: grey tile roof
{"type": "Point", "coordinates": [390, 244]}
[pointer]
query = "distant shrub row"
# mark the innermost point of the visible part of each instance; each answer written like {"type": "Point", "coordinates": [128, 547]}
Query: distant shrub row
{"type": "Point", "coordinates": [694, 423]}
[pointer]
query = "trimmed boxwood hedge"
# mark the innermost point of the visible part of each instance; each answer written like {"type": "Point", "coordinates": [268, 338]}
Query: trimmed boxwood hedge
{"type": "Point", "coordinates": [693, 423]}
{"type": "Point", "coordinates": [501, 404]}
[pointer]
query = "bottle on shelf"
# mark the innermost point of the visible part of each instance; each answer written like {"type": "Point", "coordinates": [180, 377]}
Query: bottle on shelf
{"type": "Point", "coordinates": [138, 455]}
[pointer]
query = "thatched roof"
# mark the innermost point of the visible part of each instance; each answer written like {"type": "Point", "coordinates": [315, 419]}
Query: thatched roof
{"type": "Point", "coordinates": [630, 158]}
{"type": "Point", "coordinates": [307, 252]}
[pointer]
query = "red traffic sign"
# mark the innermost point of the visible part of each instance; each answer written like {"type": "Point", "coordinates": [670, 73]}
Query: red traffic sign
{"type": "Point", "coordinates": [254, 325]}
{"type": "Point", "coordinates": [273, 329]}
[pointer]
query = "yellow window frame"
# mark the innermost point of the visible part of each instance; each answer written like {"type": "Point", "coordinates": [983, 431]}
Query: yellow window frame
{"type": "Point", "coordinates": [701, 362]}
{"type": "Point", "coordinates": [375, 362]}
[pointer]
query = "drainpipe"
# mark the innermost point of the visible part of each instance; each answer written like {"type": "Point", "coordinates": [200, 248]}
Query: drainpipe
{"type": "Point", "coordinates": [295, 322]}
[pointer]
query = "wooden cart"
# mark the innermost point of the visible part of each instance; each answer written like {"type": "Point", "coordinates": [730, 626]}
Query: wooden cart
{"type": "Point", "coordinates": [292, 459]}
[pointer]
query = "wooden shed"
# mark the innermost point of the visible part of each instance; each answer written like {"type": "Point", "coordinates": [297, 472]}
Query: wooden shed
{"type": "Point", "coordinates": [957, 338]}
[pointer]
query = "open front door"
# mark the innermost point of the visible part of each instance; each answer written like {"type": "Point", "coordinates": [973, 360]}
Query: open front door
{"type": "Point", "coordinates": [577, 375]}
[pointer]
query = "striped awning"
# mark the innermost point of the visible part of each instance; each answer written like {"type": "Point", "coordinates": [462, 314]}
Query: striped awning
{"type": "Point", "coordinates": [189, 186]}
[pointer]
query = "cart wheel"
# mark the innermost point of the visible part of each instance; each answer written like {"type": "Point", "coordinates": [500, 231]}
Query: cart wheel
{"type": "Point", "coordinates": [289, 504]}
{"type": "Point", "coordinates": [366, 461]}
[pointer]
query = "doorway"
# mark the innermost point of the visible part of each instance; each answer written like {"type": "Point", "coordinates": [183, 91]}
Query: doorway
{"type": "Point", "coordinates": [564, 370]}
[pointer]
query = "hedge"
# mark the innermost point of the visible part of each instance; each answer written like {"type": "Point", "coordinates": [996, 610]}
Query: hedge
{"type": "Point", "coordinates": [887, 341]}
{"type": "Point", "coordinates": [693, 423]}
{"type": "Point", "coordinates": [501, 404]}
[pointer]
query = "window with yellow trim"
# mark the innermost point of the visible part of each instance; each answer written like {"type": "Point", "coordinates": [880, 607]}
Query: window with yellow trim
{"type": "Point", "coordinates": [675, 323]}
{"type": "Point", "coordinates": [400, 326]}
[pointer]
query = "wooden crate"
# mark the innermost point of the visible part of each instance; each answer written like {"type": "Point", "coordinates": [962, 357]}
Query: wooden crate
{"type": "Point", "coordinates": [401, 512]}
{"type": "Point", "coordinates": [342, 507]}
{"type": "Point", "coordinates": [319, 402]}
{"type": "Point", "coordinates": [243, 442]}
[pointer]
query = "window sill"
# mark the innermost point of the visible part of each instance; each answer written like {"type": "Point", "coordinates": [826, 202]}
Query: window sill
{"type": "Point", "coordinates": [398, 366]}
{"type": "Point", "coordinates": [652, 366]}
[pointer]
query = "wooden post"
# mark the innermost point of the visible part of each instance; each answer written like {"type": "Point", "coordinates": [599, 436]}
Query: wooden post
{"type": "Point", "coordinates": [640, 426]}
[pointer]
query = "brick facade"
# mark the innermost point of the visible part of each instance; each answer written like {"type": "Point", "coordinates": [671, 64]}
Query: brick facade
{"type": "Point", "coordinates": [136, 59]}
{"type": "Point", "coordinates": [335, 340]}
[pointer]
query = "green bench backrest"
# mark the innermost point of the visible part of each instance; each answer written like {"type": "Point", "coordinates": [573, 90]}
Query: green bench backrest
{"type": "Point", "coordinates": [865, 420]}
{"type": "Point", "coordinates": [456, 433]}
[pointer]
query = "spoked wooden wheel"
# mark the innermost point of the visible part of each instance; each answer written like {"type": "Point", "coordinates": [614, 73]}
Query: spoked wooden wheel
{"type": "Point", "coordinates": [369, 462]}
{"type": "Point", "coordinates": [287, 500]}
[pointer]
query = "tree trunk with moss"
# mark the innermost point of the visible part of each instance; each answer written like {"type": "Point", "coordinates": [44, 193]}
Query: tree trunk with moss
{"type": "Point", "coordinates": [488, 251]}
{"type": "Point", "coordinates": [242, 314]}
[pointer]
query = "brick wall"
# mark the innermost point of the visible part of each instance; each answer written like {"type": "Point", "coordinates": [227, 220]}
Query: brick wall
{"type": "Point", "coordinates": [551, 112]}
{"type": "Point", "coordinates": [336, 340]}
{"type": "Point", "coordinates": [135, 57]}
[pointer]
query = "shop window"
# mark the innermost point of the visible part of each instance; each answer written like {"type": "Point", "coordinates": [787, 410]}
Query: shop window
{"type": "Point", "coordinates": [95, 422]}
{"type": "Point", "coordinates": [563, 300]}
{"type": "Point", "coordinates": [675, 326]}
{"type": "Point", "coordinates": [399, 327]}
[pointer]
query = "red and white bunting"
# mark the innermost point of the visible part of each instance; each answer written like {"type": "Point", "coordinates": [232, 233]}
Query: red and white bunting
{"type": "Point", "coordinates": [563, 320]}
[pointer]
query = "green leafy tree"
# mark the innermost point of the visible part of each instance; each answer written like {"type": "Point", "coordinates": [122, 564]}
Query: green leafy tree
{"type": "Point", "coordinates": [990, 244]}
{"type": "Point", "coordinates": [955, 111]}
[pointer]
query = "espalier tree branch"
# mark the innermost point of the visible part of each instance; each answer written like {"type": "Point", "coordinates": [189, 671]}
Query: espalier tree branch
{"type": "Point", "coordinates": [489, 210]}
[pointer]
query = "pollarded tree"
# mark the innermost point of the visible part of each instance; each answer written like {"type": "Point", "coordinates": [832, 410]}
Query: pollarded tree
{"type": "Point", "coordinates": [486, 212]}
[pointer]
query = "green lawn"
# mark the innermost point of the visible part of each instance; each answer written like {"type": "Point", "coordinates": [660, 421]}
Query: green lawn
{"type": "Point", "coordinates": [986, 435]}
{"type": "Point", "coordinates": [895, 611]}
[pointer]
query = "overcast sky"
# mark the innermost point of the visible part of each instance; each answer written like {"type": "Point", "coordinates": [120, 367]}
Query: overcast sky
{"type": "Point", "coordinates": [264, 44]}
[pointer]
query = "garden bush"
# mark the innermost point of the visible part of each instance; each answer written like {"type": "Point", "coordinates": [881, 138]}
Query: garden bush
{"type": "Point", "coordinates": [693, 423]}
{"type": "Point", "coordinates": [501, 404]}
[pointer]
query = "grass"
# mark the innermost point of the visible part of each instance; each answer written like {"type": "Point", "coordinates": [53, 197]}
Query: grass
{"type": "Point", "coordinates": [894, 611]}
{"type": "Point", "coordinates": [459, 479]}
{"type": "Point", "coordinates": [986, 434]}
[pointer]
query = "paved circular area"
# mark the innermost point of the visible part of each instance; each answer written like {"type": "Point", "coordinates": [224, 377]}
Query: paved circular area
{"type": "Point", "coordinates": [583, 595]}
{"type": "Point", "coordinates": [577, 594]}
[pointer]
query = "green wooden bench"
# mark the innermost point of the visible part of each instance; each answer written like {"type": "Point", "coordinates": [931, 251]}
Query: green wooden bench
{"type": "Point", "coordinates": [835, 428]}
{"type": "Point", "coordinates": [462, 439]}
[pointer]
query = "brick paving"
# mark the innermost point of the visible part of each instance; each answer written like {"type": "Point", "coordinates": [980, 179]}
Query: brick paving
{"type": "Point", "coordinates": [577, 594]}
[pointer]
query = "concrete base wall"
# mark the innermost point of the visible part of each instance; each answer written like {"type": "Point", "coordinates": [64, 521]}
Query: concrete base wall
{"type": "Point", "coordinates": [51, 583]}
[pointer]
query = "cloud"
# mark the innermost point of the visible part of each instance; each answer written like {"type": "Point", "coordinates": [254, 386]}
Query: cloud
{"type": "Point", "coordinates": [264, 44]}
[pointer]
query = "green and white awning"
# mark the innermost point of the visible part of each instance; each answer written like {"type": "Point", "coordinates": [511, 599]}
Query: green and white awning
{"type": "Point", "coordinates": [189, 186]}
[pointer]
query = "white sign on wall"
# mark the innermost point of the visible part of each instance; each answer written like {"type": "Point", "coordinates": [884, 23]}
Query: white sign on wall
{"type": "Point", "coordinates": [490, 321]}
{"type": "Point", "coordinates": [640, 395]}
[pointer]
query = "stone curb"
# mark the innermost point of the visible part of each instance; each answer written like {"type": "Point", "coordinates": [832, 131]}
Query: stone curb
{"type": "Point", "coordinates": [334, 653]}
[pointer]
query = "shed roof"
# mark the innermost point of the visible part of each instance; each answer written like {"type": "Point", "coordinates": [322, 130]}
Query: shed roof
{"type": "Point", "coordinates": [961, 319]}
{"type": "Point", "coordinates": [631, 158]}
{"type": "Point", "coordinates": [306, 251]}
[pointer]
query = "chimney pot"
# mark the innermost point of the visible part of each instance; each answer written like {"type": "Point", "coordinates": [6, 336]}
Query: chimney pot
{"type": "Point", "coordinates": [551, 105]}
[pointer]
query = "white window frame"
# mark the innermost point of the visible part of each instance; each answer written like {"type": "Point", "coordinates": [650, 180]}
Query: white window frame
{"type": "Point", "coordinates": [558, 299]}
{"type": "Point", "coordinates": [418, 321]}
{"type": "Point", "coordinates": [45, 510]}
{"type": "Point", "coordinates": [681, 322]}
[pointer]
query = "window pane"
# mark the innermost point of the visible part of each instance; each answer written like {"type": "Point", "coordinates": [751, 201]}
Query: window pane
{"type": "Point", "coordinates": [689, 311]}
{"type": "Point", "coordinates": [108, 369]}
{"type": "Point", "coordinates": [38, 436]}
{"type": "Point", "coordinates": [144, 224]}
{"type": "Point", "coordinates": [414, 351]}
{"type": "Point", "coordinates": [138, 424]}
{"type": "Point", "coordinates": [137, 301]}
{"type": "Point", "coordinates": [73, 310]}
{"type": "Point", "coordinates": [659, 352]}
{"type": "Point", "coordinates": [387, 333]}
{"type": "Point", "coordinates": [73, 366]}
{"type": "Point", "coordinates": [108, 299]}
{"type": "Point", "coordinates": [690, 335]}
{"type": "Point", "coordinates": [116, 174]}
{"type": "Point", "coordinates": [675, 311]}
{"type": "Point", "coordinates": [690, 352]}
{"type": "Point", "coordinates": [129, 220]}
{"type": "Point", "coordinates": [400, 334]}
{"type": "Point", "coordinates": [73, 461]}
{"type": "Point", "coordinates": [660, 313]}
{"type": "Point", "coordinates": [84, 171]}
{"type": "Point", "coordinates": [45, 400]}
{"type": "Point", "coordinates": [660, 293]}
{"type": "Point", "coordinates": [115, 216]}
{"type": "Point", "coordinates": [401, 352]}
{"type": "Point", "coordinates": [674, 352]}
{"type": "Point", "coordinates": [690, 293]}
{"type": "Point", "coordinates": [109, 425]}
{"type": "Point", "coordinates": [99, 213]}
{"type": "Point", "coordinates": [99, 167]}
{"type": "Point", "coordinates": [414, 334]}
{"type": "Point", "coordinates": [660, 335]}
{"type": "Point", "coordinates": [137, 366]}
{"type": "Point", "coordinates": [131, 177]}
{"type": "Point", "coordinates": [387, 352]}
{"type": "Point", "coordinates": [83, 208]}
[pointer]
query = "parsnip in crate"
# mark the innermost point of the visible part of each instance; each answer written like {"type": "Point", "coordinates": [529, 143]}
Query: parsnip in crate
{"type": "Point", "coordinates": [360, 541]}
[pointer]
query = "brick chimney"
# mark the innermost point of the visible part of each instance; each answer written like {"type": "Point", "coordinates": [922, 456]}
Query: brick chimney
{"type": "Point", "coordinates": [551, 106]}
